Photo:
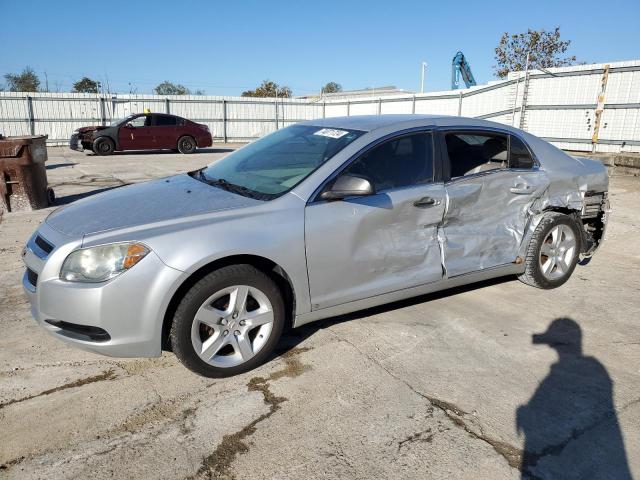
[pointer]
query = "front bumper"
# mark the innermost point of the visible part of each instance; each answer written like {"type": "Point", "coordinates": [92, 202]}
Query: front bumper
{"type": "Point", "coordinates": [75, 142]}
{"type": "Point", "coordinates": [129, 308]}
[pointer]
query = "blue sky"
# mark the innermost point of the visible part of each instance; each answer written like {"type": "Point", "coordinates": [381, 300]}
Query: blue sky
{"type": "Point", "coordinates": [226, 47]}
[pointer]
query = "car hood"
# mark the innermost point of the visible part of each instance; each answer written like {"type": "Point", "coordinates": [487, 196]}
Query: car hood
{"type": "Point", "coordinates": [92, 128]}
{"type": "Point", "coordinates": [144, 203]}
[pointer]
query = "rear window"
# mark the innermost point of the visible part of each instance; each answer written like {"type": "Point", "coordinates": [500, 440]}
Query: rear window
{"type": "Point", "coordinates": [519, 156]}
{"type": "Point", "coordinates": [162, 121]}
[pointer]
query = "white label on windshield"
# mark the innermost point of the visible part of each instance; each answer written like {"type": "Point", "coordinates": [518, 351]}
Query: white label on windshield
{"type": "Point", "coordinates": [331, 132]}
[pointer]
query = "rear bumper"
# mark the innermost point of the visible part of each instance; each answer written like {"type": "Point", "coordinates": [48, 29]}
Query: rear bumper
{"type": "Point", "coordinates": [204, 141]}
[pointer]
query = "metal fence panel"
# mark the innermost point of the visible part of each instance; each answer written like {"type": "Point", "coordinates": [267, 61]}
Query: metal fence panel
{"type": "Point", "coordinates": [560, 105]}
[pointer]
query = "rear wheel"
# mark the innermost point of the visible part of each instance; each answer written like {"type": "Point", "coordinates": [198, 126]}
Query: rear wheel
{"type": "Point", "coordinates": [229, 322]}
{"type": "Point", "coordinates": [553, 252]}
{"type": "Point", "coordinates": [103, 146]}
{"type": "Point", "coordinates": [186, 144]}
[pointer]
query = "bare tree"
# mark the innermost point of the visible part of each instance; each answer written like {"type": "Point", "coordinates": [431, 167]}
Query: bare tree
{"type": "Point", "coordinates": [545, 49]}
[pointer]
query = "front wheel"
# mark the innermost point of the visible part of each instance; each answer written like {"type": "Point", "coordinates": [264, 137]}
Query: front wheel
{"type": "Point", "coordinates": [229, 322]}
{"type": "Point", "coordinates": [553, 251]}
{"type": "Point", "coordinates": [186, 144]}
{"type": "Point", "coordinates": [103, 146]}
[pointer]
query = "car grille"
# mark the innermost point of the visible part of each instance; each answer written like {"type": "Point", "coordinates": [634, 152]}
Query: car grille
{"type": "Point", "coordinates": [45, 246]}
{"type": "Point", "coordinates": [32, 277]}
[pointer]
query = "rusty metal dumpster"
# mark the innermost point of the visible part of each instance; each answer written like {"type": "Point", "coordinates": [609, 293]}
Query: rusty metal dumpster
{"type": "Point", "coordinates": [23, 177]}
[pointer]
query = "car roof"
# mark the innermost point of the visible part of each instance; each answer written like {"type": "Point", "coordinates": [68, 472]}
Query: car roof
{"type": "Point", "coordinates": [369, 123]}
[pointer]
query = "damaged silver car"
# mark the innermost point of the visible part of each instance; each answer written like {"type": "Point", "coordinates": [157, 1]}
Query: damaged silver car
{"type": "Point", "coordinates": [318, 219]}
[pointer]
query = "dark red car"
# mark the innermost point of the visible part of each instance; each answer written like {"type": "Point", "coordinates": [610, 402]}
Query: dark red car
{"type": "Point", "coordinates": [144, 131]}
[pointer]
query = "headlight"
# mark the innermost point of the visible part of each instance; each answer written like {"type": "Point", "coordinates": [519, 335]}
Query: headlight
{"type": "Point", "coordinates": [98, 264]}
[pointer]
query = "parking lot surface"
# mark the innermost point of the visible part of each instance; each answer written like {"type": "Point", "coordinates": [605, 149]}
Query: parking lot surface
{"type": "Point", "coordinates": [448, 385]}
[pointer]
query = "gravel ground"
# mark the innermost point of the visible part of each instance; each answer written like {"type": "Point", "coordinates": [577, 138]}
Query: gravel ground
{"type": "Point", "coordinates": [442, 386]}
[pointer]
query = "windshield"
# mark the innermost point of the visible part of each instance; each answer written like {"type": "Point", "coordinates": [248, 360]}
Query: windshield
{"type": "Point", "coordinates": [276, 163]}
{"type": "Point", "coordinates": [118, 121]}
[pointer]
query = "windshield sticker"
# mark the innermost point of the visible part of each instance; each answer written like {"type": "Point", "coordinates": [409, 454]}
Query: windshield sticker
{"type": "Point", "coordinates": [331, 133]}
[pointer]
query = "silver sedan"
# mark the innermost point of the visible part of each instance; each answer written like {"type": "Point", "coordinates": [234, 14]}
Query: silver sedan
{"type": "Point", "coordinates": [318, 219]}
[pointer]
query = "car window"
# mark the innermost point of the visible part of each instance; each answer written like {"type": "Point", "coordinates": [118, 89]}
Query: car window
{"type": "Point", "coordinates": [140, 121]}
{"type": "Point", "coordinates": [396, 163]}
{"type": "Point", "coordinates": [519, 155]}
{"type": "Point", "coordinates": [475, 153]}
{"type": "Point", "coordinates": [164, 121]}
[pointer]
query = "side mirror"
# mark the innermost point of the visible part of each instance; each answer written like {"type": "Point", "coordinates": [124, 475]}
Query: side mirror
{"type": "Point", "coordinates": [128, 125]}
{"type": "Point", "coordinates": [348, 186]}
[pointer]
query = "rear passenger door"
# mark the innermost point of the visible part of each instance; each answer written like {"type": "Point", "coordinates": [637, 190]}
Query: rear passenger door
{"type": "Point", "coordinates": [164, 131]}
{"type": "Point", "coordinates": [492, 181]}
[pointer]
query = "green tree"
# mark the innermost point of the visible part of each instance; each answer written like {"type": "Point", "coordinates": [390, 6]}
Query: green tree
{"type": "Point", "coordinates": [332, 87]}
{"type": "Point", "coordinates": [269, 89]}
{"type": "Point", "coordinates": [545, 49]}
{"type": "Point", "coordinates": [86, 85]}
{"type": "Point", "coordinates": [26, 81]}
{"type": "Point", "coordinates": [168, 88]}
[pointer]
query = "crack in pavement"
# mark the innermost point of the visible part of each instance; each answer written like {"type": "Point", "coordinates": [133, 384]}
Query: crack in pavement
{"type": "Point", "coordinates": [417, 437]}
{"type": "Point", "coordinates": [105, 375]}
{"type": "Point", "coordinates": [511, 454]}
{"type": "Point", "coordinates": [218, 464]}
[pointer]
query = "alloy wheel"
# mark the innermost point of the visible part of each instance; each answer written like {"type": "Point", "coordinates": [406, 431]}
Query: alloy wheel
{"type": "Point", "coordinates": [232, 326]}
{"type": "Point", "coordinates": [557, 252]}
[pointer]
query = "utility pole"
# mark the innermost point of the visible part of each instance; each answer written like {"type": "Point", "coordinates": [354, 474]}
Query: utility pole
{"type": "Point", "coordinates": [46, 82]}
{"type": "Point", "coordinates": [423, 68]}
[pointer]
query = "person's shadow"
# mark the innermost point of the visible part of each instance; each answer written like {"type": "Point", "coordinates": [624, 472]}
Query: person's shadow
{"type": "Point", "coordinates": [570, 425]}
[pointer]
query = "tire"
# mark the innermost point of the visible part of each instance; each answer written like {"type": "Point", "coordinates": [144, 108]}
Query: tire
{"type": "Point", "coordinates": [186, 144]}
{"type": "Point", "coordinates": [103, 146]}
{"type": "Point", "coordinates": [553, 251]}
{"type": "Point", "coordinates": [51, 196]}
{"type": "Point", "coordinates": [215, 336]}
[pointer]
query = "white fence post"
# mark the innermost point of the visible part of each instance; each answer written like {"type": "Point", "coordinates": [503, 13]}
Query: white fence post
{"type": "Point", "coordinates": [32, 120]}
{"type": "Point", "coordinates": [224, 121]}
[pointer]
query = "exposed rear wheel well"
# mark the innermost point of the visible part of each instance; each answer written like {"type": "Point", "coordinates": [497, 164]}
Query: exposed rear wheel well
{"type": "Point", "coordinates": [270, 268]}
{"type": "Point", "coordinates": [581, 224]}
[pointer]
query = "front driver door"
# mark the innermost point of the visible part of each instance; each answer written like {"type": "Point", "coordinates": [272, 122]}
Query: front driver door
{"type": "Point", "coordinates": [365, 246]}
{"type": "Point", "coordinates": [493, 183]}
{"type": "Point", "coordinates": [136, 134]}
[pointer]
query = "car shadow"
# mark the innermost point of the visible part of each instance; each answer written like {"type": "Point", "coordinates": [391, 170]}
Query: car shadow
{"type": "Point", "coordinates": [294, 336]}
{"type": "Point", "coordinates": [163, 152]}
{"type": "Point", "coordinates": [59, 165]}
{"type": "Point", "coordinates": [78, 196]}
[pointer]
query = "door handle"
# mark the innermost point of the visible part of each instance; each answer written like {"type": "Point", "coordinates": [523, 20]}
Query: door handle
{"type": "Point", "coordinates": [426, 202]}
{"type": "Point", "coordinates": [521, 189]}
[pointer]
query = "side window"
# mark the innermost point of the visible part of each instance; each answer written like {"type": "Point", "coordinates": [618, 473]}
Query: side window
{"type": "Point", "coordinates": [140, 121]}
{"type": "Point", "coordinates": [397, 163]}
{"type": "Point", "coordinates": [519, 156]}
{"type": "Point", "coordinates": [164, 121]}
{"type": "Point", "coordinates": [471, 153]}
